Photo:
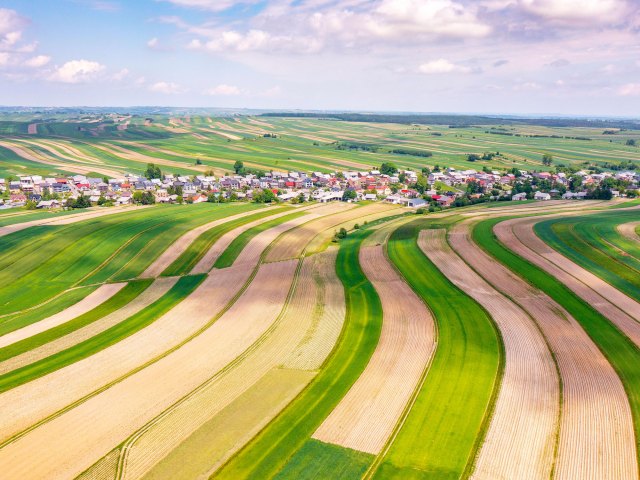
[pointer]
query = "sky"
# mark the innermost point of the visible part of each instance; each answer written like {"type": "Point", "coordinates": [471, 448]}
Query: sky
{"type": "Point", "coordinates": [570, 57]}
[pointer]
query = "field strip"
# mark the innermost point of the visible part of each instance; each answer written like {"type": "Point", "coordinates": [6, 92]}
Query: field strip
{"type": "Point", "coordinates": [521, 437]}
{"type": "Point", "coordinates": [630, 230]}
{"type": "Point", "coordinates": [50, 147]}
{"type": "Point", "coordinates": [95, 298]}
{"type": "Point", "coordinates": [292, 244]}
{"type": "Point", "coordinates": [159, 287]}
{"type": "Point", "coordinates": [106, 419]}
{"type": "Point", "coordinates": [65, 386]}
{"type": "Point", "coordinates": [206, 263]}
{"type": "Point", "coordinates": [596, 438]}
{"type": "Point", "coordinates": [260, 242]}
{"type": "Point", "coordinates": [233, 427]}
{"type": "Point", "coordinates": [327, 318]}
{"type": "Point", "coordinates": [72, 167]}
{"type": "Point", "coordinates": [71, 150]}
{"type": "Point", "coordinates": [77, 381]}
{"type": "Point", "coordinates": [65, 220]}
{"type": "Point", "coordinates": [622, 310]}
{"type": "Point", "coordinates": [322, 239]}
{"type": "Point", "coordinates": [121, 152]}
{"type": "Point", "coordinates": [291, 329]}
{"type": "Point", "coordinates": [366, 417]}
{"type": "Point", "coordinates": [181, 244]}
{"type": "Point", "coordinates": [269, 451]}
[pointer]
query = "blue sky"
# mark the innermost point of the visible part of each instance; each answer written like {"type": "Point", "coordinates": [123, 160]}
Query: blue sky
{"type": "Point", "coordinates": [492, 56]}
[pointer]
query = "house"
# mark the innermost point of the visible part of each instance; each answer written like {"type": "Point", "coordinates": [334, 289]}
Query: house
{"type": "Point", "coordinates": [413, 202]}
{"type": "Point", "coordinates": [48, 204]}
{"type": "Point", "coordinates": [18, 199]}
{"type": "Point", "coordinates": [541, 196]}
{"type": "Point", "coordinates": [519, 197]}
{"type": "Point", "coordinates": [325, 197]}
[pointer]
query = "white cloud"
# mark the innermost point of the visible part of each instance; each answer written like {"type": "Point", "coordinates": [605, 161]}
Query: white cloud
{"type": "Point", "coordinates": [37, 61]}
{"type": "Point", "coordinates": [223, 90]}
{"type": "Point", "coordinates": [168, 88]}
{"type": "Point", "coordinates": [315, 25]}
{"type": "Point", "coordinates": [77, 71]}
{"type": "Point", "coordinates": [577, 11]}
{"type": "Point", "coordinates": [439, 17]}
{"type": "Point", "coordinates": [630, 90]}
{"type": "Point", "coordinates": [11, 25]}
{"type": "Point", "coordinates": [442, 66]}
{"type": "Point", "coordinates": [121, 75]}
{"type": "Point", "coordinates": [153, 43]}
{"type": "Point", "coordinates": [4, 59]}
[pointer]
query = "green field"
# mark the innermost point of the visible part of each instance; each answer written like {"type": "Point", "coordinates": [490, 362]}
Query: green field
{"type": "Point", "coordinates": [39, 263]}
{"type": "Point", "coordinates": [445, 427]}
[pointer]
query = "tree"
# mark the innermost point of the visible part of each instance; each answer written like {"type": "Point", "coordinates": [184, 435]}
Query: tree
{"type": "Point", "coordinates": [575, 182]}
{"type": "Point", "coordinates": [198, 161]}
{"type": "Point", "coordinates": [238, 167]}
{"type": "Point", "coordinates": [80, 202]}
{"type": "Point", "coordinates": [342, 233]}
{"type": "Point", "coordinates": [144, 198]}
{"type": "Point", "coordinates": [388, 168]}
{"type": "Point", "coordinates": [473, 157]}
{"type": "Point", "coordinates": [421, 184]}
{"type": "Point", "coordinates": [31, 205]}
{"type": "Point", "coordinates": [152, 171]}
{"type": "Point", "coordinates": [349, 194]}
{"type": "Point", "coordinates": [547, 159]}
{"type": "Point", "coordinates": [264, 196]}
{"type": "Point", "coordinates": [630, 143]}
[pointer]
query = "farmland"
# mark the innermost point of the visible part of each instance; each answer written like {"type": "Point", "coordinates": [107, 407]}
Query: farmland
{"type": "Point", "coordinates": [196, 144]}
{"type": "Point", "coordinates": [310, 337]}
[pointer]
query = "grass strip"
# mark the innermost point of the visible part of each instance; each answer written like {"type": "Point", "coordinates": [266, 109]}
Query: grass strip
{"type": "Point", "coordinates": [623, 355]}
{"type": "Point", "coordinates": [324, 460]}
{"type": "Point", "coordinates": [39, 312]}
{"type": "Point", "coordinates": [119, 300]}
{"type": "Point", "coordinates": [445, 428]}
{"type": "Point", "coordinates": [201, 245]}
{"type": "Point", "coordinates": [271, 450]}
{"type": "Point", "coordinates": [230, 254]}
{"type": "Point", "coordinates": [109, 337]}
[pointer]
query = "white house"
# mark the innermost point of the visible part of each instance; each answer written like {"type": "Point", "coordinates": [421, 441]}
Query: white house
{"type": "Point", "coordinates": [542, 196]}
{"type": "Point", "coordinates": [519, 197]}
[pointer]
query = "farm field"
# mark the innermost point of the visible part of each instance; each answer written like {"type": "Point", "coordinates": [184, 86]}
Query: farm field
{"type": "Point", "coordinates": [195, 144]}
{"type": "Point", "coordinates": [316, 340]}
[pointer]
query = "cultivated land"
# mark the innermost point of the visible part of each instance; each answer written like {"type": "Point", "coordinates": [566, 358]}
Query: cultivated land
{"type": "Point", "coordinates": [317, 340]}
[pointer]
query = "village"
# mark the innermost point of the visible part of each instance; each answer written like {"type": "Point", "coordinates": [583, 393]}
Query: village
{"type": "Point", "coordinates": [432, 187]}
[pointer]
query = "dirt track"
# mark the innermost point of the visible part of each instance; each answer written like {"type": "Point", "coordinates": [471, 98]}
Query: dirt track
{"type": "Point", "coordinates": [64, 220]}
